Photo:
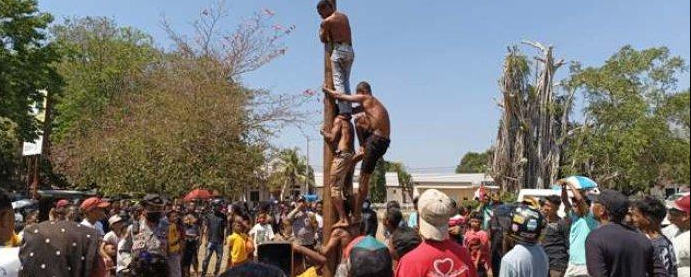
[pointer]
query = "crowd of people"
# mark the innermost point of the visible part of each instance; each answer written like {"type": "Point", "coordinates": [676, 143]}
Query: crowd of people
{"type": "Point", "coordinates": [601, 235]}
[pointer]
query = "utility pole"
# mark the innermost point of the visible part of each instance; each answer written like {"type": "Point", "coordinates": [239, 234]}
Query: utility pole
{"type": "Point", "coordinates": [307, 169]}
{"type": "Point", "coordinates": [329, 115]}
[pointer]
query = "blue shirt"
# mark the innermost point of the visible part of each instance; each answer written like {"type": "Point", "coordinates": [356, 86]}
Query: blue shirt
{"type": "Point", "coordinates": [580, 228]}
{"type": "Point", "coordinates": [412, 220]}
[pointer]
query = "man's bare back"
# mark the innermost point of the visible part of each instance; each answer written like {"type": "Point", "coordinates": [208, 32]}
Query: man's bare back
{"type": "Point", "coordinates": [337, 28]}
{"type": "Point", "coordinates": [341, 135]}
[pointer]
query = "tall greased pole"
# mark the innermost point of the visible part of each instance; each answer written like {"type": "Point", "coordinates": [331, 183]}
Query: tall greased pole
{"type": "Point", "coordinates": [329, 115]}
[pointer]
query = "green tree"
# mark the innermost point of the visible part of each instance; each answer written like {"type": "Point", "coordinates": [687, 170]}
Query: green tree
{"type": "Point", "coordinates": [27, 61]}
{"type": "Point", "coordinates": [168, 121]}
{"type": "Point", "coordinates": [288, 170]}
{"type": "Point", "coordinates": [473, 162]}
{"type": "Point", "coordinates": [404, 178]}
{"type": "Point", "coordinates": [377, 183]}
{"type": "Point", "coordinates": [99, 61]}
{"type": "Point", "coordinates": [633, 116]}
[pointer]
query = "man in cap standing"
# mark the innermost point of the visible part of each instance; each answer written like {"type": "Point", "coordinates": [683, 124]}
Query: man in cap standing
{"type": "Point", "coordinates": [94, 210]}
{"type": "Point", "coordinates": [678, 233]}
{"type": "Point", "coordinates": [436, 255]}
{"type": "Point", "coordinates": [147, 240]}
{"type": "Point", "coordinates": [614, 249]}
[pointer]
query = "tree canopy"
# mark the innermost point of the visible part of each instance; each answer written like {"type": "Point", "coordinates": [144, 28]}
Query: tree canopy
{"type": "Point", "coordinates": [473, 162]}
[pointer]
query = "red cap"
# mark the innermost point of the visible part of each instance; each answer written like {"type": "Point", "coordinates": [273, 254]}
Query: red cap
{"type": "Point", "coordinates": [94, 202]}
{"type": "Point", "coordinates": [62, 203]}
{"type": "Point", "coordinates": [682, 204]}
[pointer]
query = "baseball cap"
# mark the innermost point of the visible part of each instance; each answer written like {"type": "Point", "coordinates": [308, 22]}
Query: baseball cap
{"type": "Point", "coordinates": [369, 257]}
{"type": "Point", "coordinates": [681, 204]}
{"type": "Point", "coordinates": [435, 209]}
{"type": "Point", "coordinates": [114, 219]}
{"type": "Point", "coordinates": [62, 203]}
{"type": "Point", "coordinates": [526, 223]}
{"type": "Point", "coordinates": [93, 203]}
{"type": "Point", "coordinates": [616, 203]}
{"type": "Point", "coordinates": [153, 199]}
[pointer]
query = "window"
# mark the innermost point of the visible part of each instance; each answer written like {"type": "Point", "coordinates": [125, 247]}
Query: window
{"type": "Point", "coordinates": [254, 196]}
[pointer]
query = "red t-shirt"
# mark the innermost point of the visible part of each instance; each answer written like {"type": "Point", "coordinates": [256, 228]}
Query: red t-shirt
{"type": "Point", "coordinates": [437, 259]}
{"type": "Point", "coordinates": [481, 234]}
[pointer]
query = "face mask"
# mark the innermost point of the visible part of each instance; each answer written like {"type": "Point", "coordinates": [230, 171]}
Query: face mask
{"type": "Point", "coordinates": [153, 217]}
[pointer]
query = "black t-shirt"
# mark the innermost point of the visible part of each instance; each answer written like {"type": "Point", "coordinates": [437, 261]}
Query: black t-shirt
{"type": "Point", "coordinates": [216, 227]}
{"type": "Point", "coordinates": [613, 250]}
{"type": "Point", "coordinates": [556, 244]}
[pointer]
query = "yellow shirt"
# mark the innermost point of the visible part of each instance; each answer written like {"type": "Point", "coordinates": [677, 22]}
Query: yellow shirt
{"type": "Point", "coordinates": [173, 239]}
{"type": "Point", "coordinates": [311, 272]}
{"type": "Point", "coordinates": [238, 251]}
{"type": "Point", "coordinates": [15, 241]}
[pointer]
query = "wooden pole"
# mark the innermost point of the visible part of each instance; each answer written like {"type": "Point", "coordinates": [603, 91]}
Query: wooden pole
{"type": "Point", "coordinates": [329, 115]}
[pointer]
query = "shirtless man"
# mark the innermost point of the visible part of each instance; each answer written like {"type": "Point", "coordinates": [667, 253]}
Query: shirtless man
{"type": "Point", "coordinates": [335, 33]}
{"type": "Point", "coordinates": [340, 139]}
{"type": "Point", "coordinates": [376, 141]}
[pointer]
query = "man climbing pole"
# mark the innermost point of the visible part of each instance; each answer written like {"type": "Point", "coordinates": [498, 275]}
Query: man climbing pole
{"type": "Point", "coordinates": [373, 132]}
{"type": "Point", "coordinates": [340, 138]}
{"type": "Point", "coordinates": [335, 32]}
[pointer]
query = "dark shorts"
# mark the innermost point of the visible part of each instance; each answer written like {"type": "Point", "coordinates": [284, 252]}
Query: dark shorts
{"type": "Point", "coordinates": [375, 148]}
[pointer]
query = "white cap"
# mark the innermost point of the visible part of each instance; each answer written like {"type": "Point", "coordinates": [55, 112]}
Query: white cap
{"type": "Point", "coordinates": [114, 219]}
{"type": "Point", "coordinates": [435, 209]}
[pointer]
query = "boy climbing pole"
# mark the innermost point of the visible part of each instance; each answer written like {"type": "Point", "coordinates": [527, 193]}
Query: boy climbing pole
{"type": "Point", "coordinates": [340, 139]}
{"type": "Point", "coordinates": [335, 33]}
{"type": "Point", "coordinates": [376, 136]}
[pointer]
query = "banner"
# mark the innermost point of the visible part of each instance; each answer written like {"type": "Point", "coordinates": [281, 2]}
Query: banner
{"type": "Point", "coordinates": [31, 148]}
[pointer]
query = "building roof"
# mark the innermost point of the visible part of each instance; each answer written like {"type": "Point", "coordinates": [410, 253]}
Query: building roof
{"type": "Point", "coordinates": [391, 179]}
{"type": "Point", "coordinates": [472, 179]}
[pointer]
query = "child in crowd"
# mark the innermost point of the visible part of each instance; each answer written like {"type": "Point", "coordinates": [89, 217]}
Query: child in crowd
{"type": "Point", "coordinates": [241, 247]}
{"type": "Point", "coordinates": [261, 232]}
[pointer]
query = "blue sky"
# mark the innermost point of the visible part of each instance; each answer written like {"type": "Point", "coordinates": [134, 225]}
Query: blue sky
{"type": "Point", "coordinates": [434, 64]}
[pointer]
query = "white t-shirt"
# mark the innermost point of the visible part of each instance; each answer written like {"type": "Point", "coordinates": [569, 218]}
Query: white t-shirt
{"type": "Point", "coordinates": [261, 234]}
{"type": "Point", "coordinates": [98, 226]}
{"type": "Point", "coordinates": [9, 261]}
{"type": "Point", "coordinates": [681, 241]}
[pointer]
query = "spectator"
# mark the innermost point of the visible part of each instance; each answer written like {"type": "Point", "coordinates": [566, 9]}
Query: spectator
{"type": "Point", "coordinates": [413, 218]}
{"type": "Point", "coordinates": [480, 257]}
{"type": "Point", "coordinates": [214, 228]}
{"type": "Point", "coordinates": [175, 235]}
{"type": "Point", "coordinates": [304, 229]}
{"type": "Point", "coordinates": [192, 234]}
{"type": "Point", "coordinates": [614, 249]}
{"type": "Point", "coordinates": [582, 223]}
{"type": "Point", "coordinates": [369, 258]}
{"type": "Point", "coordinates": [436, 255]}
{"type": "Point", "coordinates": [392, 220]}
{"type": "Point", "coordinates": [525, 258]}
{"type": "Point", "coordinates": [261, 232]}
{"type": "Point", "coordinates": [678, 233]}
{"type": "Point", "coordinates": [486, 209]}
{"type": "Point", "coordinates": [648, 214]}
{"type": "Point", "coordinates": [319, 216]}
{"type": "Point", "coordinates": [556, 237]}
{"type": "Point", "coordinates": [403, 240]}
{"type": "Point", "coordinates": [499, 224]}
{"type": "Point", "coordinates": [237, 243]}
{"type": "Point", "coordinates": [7, 236]}
{"type": "Point", "coordinates": [109, 245]}
{"type": "Point", "coordinates": [474, 231]}
{"type": "Point", "coordinates": [147, 241]}
{"type": "Point", "coordinates": [60, 210]}
{"type": "Point", "coordinates": [369, 219]}
{"type": "Point", "coordinates": [94, 211]}
{"type": "Point", "coordinates": [61, 248]}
